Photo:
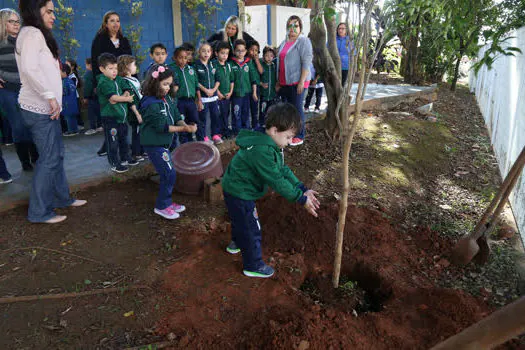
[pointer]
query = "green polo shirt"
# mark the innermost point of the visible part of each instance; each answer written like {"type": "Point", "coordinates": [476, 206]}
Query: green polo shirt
{"type": "Point", "coordinates": [224, 76]}
{"type": "Point", "coordinates": [105, 89]}
{"type": "Point", "coordinates": [243, 78]}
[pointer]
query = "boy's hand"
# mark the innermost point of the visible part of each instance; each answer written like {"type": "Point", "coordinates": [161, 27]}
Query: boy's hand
{"type": "Point", "coordinates": [255, 97]}
{"type": "Point", "coordinates": [221, 96]}
{"type": "Point", "coordinates": [192, 128]}
{"type": "Point", "coordinates": [200, 106]}
{"type": "Point", "coordinates": [264, 85]}
{"type": "Point", "coordinates": [139, 118]}
{"type": "Point", "coordinates": [312, 203]}
{"type": "Point", "coordinates": [228, 95]}
{"type": "Point", "coordinates": [210, 92]}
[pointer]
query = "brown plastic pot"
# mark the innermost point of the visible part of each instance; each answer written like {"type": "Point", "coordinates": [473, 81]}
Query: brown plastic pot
{"type": "Point", "coordinates": [195, 162]}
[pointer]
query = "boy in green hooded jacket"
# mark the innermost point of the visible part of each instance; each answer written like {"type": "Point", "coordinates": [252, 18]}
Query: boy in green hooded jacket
{"type": "Point", "coordinates": [258, 164]}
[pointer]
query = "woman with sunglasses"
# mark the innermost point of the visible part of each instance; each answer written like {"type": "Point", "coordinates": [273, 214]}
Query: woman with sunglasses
{"type": "Point", "coordinates": [10, 88]}
{"type": "Point", "coordinates": [293, 70]}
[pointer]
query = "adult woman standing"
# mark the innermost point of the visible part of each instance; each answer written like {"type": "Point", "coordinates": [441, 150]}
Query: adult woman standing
{"type": "Point", "coordinates": [40, 101]}
{"type": "Point", "coordinates": [231, 32]}
{"type": "Point", "coordinates": [344, 45]}
{"type": "Point", "coordinates": [109, 39]}
{"type": "Point", "coordinates": [293, 69]}
{"type": "Point", "coordinates": [10, 87]}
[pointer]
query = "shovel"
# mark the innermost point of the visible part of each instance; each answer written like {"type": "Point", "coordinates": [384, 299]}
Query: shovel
{"type": "Point", "coordinates": [475, 244]}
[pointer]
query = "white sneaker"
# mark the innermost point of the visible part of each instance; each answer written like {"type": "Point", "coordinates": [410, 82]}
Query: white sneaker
{"type": "Point", "coordinates": [90, 132]}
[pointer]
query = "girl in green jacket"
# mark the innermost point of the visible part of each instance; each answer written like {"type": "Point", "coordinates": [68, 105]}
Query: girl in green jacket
{"type": "Point", "coordinates": [159, 123]}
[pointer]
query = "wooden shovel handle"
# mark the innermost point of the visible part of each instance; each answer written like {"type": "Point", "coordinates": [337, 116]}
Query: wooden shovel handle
{"type": "Point", "coordinates": [501, 197]}
{"type": "Point", "coordinates": [502, 325]}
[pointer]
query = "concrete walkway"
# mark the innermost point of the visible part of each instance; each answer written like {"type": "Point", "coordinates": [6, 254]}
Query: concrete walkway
{"type": "Point", "coordinates": [83, 165]}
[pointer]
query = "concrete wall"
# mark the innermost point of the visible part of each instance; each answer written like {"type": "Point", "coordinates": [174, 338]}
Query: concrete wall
{"type": "Point", "coordinates": [500, 93]}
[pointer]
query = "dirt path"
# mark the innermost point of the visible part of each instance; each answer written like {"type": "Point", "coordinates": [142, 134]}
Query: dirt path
{"type": "Point", "coordinates": [398, 290]}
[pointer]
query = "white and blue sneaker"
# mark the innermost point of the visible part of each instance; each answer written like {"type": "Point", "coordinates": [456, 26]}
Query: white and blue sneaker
{"type": "Point", "coordinates": [232, 248]}
{"type": "Point", "coordinates": [264, 271]}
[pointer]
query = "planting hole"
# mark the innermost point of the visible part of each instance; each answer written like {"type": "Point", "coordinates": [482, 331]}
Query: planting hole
{"type": "Point", "coordinates": [360, 290]}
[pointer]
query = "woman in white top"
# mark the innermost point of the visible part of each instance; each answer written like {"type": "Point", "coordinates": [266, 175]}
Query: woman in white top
{"type": "Point", "coordinates": [40, 101]}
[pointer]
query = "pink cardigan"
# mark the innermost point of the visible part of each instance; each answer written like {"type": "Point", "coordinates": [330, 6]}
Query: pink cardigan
{"type": "Point", "coordinates": [39, 72]}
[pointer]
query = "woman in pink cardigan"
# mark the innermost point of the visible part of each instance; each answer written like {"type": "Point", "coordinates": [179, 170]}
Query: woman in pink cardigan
{"type": "Point", "coordinates": [40, 102]}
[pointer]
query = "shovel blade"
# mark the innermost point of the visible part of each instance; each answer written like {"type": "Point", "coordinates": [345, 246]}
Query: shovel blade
{"type": "Point", "coordinates": [464, 251]}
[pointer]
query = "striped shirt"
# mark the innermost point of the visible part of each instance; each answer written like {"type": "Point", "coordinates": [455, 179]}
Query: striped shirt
{"type": "Point", "coordinates": [8, 68]}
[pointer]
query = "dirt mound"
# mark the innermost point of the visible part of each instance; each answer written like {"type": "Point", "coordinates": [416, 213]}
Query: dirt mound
{"type": "Point", "coordinates": [388, 297]}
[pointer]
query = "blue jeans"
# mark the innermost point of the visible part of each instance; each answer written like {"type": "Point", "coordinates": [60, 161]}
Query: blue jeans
{"type": "Point", "coordinates": [241, 113]}
{"type": "Point", "coordinates": [136, 148]}
{"type": "Point", "coordinates": [254, 109]}
{"type": "Point", "coordinates": [72, 123]}
{"type": "Point", "coordinates": [7, 132]}
{"type": "Point", "coordinates": [289, 94]}
{"type": "Point", "coordinates": [263, 110]}
{"type": "Point", "coordinates": [95, 119]}
{"type": "Point", "coordinates": [188, 108]}
{"type": "Point", "coordinates": [50, 189]}
{"type": "Point", "coordinates": [9, 103]}
{"type": "Point", "coordinates": [116, 135]}
{"type": "Point", "coordinates": [224, 108]}
{"type": "Point", "coordinates": [246, 230]}
{"type": "Point", "coordinates": [161, 159]}
{"type": "Point", "coordinates": [4, 174]}
{"type": "Point", "coordinates": [213, 109]}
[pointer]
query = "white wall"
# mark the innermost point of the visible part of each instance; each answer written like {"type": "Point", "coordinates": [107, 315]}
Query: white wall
{"type": "Point", "coordinates": [500, 93]}
{"type": "Point", "coordinates": [258, 26]}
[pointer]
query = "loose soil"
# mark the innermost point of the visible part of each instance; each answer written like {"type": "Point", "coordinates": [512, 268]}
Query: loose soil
{"type": "Point", "coordinates": [397, 290]}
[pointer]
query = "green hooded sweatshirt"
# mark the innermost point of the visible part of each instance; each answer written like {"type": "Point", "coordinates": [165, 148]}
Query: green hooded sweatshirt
{"type": "Point", "coordinates": [258, 164]}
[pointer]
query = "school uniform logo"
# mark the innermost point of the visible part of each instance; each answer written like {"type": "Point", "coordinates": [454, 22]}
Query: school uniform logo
{"type": "Point", "coordinates": [113, 132]}
{"type": "Point", "coordinates": [263, 106]}
{"type": "Point", "coordinates": [236, 109]}
{"type": "Point", "coordinates": [246, 68]}
{"type": "Point", "coordinates": [255, 214]}
{"type": "Point", "coordinates": [213, 71]}
{"type": "Point", "coordinates": [191, 71]}
{"type": "Point", "coordinates": [165, 156]}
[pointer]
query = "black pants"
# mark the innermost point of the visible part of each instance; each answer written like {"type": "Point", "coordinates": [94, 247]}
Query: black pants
{"type": "Point", "coordinates": [116, 135]}
{"type": "Point", "coordinates": [318, 96]}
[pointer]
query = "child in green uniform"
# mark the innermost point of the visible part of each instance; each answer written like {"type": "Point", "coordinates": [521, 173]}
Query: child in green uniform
{"type": "Point", "coordinates": [188, 94]}
{"type": "Point", "coordinates": [256, 67]}
{"type": "Point", "coordinates": [114, 111]}
{"type": "Point", "coordinates": [225, 78]}
{"type": "Point", "coordinates": [91, 100]}
{"type": "Point", "coordinates": [156, 134]}
{"type": "Point", "coordinates": [268, 80]}
{"type": "Point", "coordinates": [244, 80]}
{"type": "Point", "coordinates": [127, 68]}
{"type": "Point", "coordinates": [258, 164]}
{"type": "Point", "coordinates": [208, 84]}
